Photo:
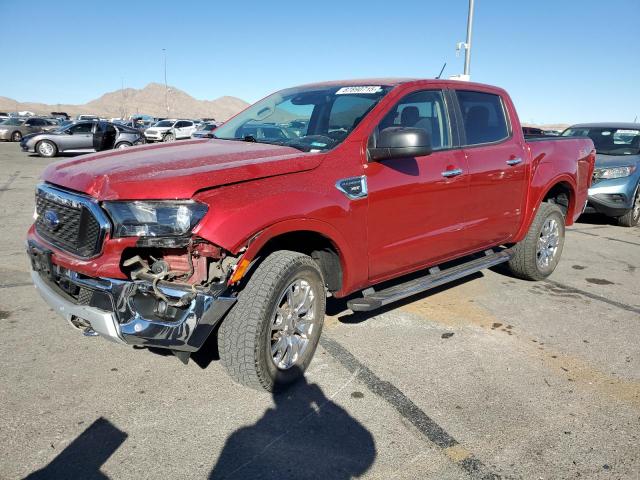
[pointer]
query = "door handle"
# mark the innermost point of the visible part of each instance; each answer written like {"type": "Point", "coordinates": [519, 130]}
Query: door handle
{"type": "Point", "coordinates": [452, 173]}
{"type": "Point", "coordinates": [514, 161]}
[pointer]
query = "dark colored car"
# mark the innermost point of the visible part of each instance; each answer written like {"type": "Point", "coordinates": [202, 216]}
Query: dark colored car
{"type": "Point", "coordinates": [82, 137]}
{"type": "Point", "coordinates": [615, 190]}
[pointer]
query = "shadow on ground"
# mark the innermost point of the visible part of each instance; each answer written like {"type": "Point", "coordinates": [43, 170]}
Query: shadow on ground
{"type": "Point", "coordinates": [305, 435]}
{"type": "Point", "coordinates": [85, 455]}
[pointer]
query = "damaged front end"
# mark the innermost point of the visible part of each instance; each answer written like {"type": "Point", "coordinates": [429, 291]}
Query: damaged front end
{"type": "Point", "coordinates": [174, 292]}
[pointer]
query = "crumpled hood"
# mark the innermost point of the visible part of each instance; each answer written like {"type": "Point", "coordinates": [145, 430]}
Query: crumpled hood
{"type": "Point", "coordinates": [175, 170]}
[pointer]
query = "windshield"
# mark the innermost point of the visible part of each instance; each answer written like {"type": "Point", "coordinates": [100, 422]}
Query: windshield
{"type": "Point", "coordinates": [206, 127]}
{"type": "Point", "coordinates": [307, 118]}
{"type": "Point", "coordinates": [609, 141]}
{"type": "Point", "coordinates": [13, 121]}
{"type": "Point", "coordinates": [164, 123]}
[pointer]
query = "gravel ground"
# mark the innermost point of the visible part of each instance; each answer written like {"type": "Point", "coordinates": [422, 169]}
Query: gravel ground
{"type": "Point", "coordinates": [490, 377]}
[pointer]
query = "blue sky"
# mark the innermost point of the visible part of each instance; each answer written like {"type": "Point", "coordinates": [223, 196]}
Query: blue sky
{"type": "Point", "coordinates": [561, 60]}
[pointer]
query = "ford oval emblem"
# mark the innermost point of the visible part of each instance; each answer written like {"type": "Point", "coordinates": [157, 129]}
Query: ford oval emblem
{"type": "Point", "coordinates": [51, 218]}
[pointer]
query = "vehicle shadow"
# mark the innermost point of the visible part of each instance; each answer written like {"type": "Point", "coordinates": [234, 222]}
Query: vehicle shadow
{"type": "Point", "coordinates": [304, 435]}
{"type": "Point", "coordinates": [596, 219]}
{"type": "Point", "coordinates": [83, 457]}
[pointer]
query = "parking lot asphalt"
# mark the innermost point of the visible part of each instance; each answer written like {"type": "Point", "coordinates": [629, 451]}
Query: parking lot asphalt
{"type": "Point", "coordinates": [491, 377]}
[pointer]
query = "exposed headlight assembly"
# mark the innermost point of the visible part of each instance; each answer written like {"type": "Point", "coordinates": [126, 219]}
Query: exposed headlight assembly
{"type": "Point", "coordinates": [614, 172]}
{"type": "Point", "coordinates": [154, 218]}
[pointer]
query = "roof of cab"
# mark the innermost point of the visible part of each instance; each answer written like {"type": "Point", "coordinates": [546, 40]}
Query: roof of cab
{"type": "Point", "coordinates": [394, 81]}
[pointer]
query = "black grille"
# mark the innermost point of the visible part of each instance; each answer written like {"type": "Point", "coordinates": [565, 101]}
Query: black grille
{"type": "Point", "coordinates": [68, 225]}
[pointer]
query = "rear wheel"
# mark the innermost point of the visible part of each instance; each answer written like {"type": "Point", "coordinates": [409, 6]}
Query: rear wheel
{"type": "Point", "coordinates": [16, 136]}
{"type": "Point", "coordinates": [271, 333]}
{"type": "Point", "coordinates": [537, 256]}
{"type": "Point", "coordinates": [123, 145]}
{"type": "Point", "coordinates": [632, 217]}
{"type": "Point", "coordinates": [46, 149]}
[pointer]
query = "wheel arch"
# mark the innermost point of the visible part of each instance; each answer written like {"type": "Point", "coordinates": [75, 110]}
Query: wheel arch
{"type": "Point", "coordinates": [314, 238]}
{"type": "Point", "coordinates": [560, 191]}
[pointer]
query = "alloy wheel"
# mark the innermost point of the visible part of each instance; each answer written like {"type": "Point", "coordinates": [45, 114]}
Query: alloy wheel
{"type": "Point", "coordinates": [548, 243]}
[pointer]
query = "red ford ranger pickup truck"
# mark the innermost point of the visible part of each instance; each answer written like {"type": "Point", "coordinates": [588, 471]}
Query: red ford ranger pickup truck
{"type": "Point", "coordinates": [325, 189]}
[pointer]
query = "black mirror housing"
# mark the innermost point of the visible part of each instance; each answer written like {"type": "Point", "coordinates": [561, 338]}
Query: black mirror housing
{"type": "Point", "coordinates": [400, 142]}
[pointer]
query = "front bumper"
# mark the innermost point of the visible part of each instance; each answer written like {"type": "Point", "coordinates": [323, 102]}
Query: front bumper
{"type": "Point", "coordinates": [123, 311]}
{"type": "Point", "coordinates": [612, 197]}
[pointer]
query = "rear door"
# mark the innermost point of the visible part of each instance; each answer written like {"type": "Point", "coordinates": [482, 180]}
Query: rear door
{"type": "Point", "coordinates": [496, 159]}
{"type": "Point", "coordinates": [417, 205]}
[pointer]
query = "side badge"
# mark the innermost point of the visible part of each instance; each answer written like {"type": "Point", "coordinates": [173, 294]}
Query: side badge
{"type": "Point", "coordinates": [353, 187]}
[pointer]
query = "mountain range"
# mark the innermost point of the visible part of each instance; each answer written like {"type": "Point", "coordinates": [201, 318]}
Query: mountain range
{"type": "Point", "coordinates": [149, 100]}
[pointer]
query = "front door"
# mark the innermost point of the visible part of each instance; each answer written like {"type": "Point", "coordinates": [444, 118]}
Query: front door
{"type": "Point", "coordinates": [79, 137]}
{"type": "Point", "coordinates": [496, 160]}
{"type": "Point", "coordinates": [417, 205]}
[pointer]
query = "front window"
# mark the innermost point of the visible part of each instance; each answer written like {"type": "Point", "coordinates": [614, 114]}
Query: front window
{"type": "Point", "coordinates": [164, 123]}
{"type": "Point", "coordinates": [609, 141]}
{"type": "Point", "coordinates": [307, 118]}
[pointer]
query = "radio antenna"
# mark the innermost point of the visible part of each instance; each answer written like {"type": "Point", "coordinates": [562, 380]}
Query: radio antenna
{"type": "Point", "coordinates": [440, 74]}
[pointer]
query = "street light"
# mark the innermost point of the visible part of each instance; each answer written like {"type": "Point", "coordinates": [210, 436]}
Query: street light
{"type": "Point", "coordinates": [466, 46]}
{"type": "Point", "coordinates": [166, 90]}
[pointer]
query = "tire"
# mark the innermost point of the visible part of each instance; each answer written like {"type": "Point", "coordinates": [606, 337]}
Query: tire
{"type": "Point", "coordinates": [257, 324]}
{"type": "Point", "coordinates": [169, 137]}
{"type": "Point", "coordinates": [538, 254]}
{"type": "Point", "coordinates": [632, 217]}
{"type": "Point", "coordinates": [123, 145]}
{"type": "Point", "coordinates": [46, 149]}
{"type": "Point", "coordinates": [16, 136]}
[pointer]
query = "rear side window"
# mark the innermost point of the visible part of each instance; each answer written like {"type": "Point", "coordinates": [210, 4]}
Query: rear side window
{"type": "Point", "coordinates": [484, 117]}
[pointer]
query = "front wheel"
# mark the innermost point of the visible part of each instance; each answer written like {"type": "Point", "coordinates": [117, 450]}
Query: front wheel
{"type": "Point", "coordinates": [537, 256]}
{"type": "Point", "coordinates": [169, 137]}
{"type": "Point", "coordinates": [271, 333]}
{"type": "Point", "coordinates": [632, 217]}
{"type": "Point", "coordinates": [46, 149]}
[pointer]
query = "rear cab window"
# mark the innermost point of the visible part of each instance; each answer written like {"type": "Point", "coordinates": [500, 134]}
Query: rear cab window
{"type": "Point", "coordinates": [484, 117]}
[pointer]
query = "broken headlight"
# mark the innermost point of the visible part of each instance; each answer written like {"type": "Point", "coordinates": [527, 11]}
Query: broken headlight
{"type": "Point", "coordinates": [154, 218]}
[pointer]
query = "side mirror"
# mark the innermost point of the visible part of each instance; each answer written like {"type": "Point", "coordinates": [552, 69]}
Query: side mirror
{"type": "Point", "coordinates": [400, 142]}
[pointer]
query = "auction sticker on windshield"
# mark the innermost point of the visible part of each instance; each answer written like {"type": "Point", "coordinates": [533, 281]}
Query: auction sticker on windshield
{"type": "Point", "coordinates": [360, 89]}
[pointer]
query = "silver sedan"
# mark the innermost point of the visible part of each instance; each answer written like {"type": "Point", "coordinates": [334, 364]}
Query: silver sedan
{"type": "Point", "coordinates": [82, 137]}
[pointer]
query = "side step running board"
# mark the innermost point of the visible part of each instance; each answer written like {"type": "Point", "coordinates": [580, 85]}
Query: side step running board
{"type": "Point", "coordinates": [436, 277]}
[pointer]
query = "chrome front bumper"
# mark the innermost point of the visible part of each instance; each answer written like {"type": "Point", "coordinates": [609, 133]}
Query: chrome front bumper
{"type": "Point", "coordinates": [132, 320]}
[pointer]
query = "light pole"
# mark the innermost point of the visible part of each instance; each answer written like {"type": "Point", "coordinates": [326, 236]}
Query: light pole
{"type": "Point", "coordinates": [166, 89]}
{"type": "Point", "coordinates": [467, 50]}
{"type": "Point", "coordinates": [466, 46]}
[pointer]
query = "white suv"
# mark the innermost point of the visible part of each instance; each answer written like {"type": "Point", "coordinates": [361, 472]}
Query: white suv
{"type": "Point", "coordinates": [169, 130]}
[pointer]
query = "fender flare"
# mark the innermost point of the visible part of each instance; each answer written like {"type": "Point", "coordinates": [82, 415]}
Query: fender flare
{"type": "Point", "coordinates": [534, 202]}
{"type": "Point", "coordinates": [260, 239]}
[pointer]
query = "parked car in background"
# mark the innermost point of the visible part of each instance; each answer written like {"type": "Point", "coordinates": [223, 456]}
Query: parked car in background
{"type": "Point", "coordinates": [88, 117]}
{"type": "Point", "coordinates": [615, 190]}
{"type": "Point", "coordinates": [532, 132]}
{"type": "Point", "coordinates": [61, 115]}
{"type": "Point", "coordinates": [263, 131]}
{"type": "Point", "coordinates": [82, 137]}
{"type": "Point", "coordinates": [205, 130]}
{"type": "Point", "coordinates": [13, 129]}
{"type": "Point", "coordinates": [169, 130]}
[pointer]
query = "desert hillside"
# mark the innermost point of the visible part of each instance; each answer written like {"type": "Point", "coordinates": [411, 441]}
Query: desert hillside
{"type": "Point", "coordinates": [150, 100]}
